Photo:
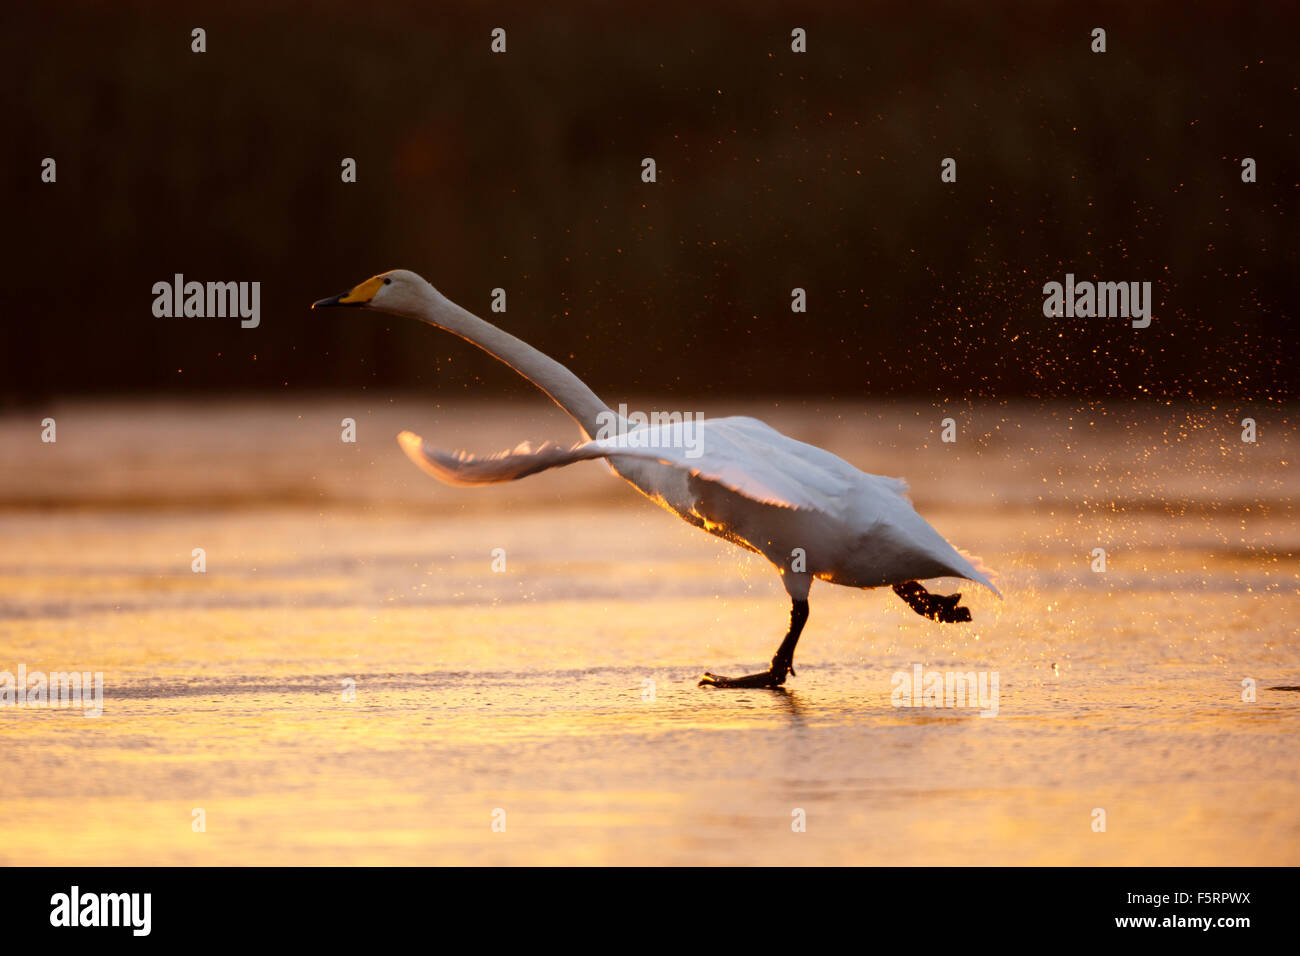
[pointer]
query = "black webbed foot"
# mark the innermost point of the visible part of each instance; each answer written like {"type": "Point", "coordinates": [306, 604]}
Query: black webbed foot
{"type": "Point", "coordinates": [937, 607]}
{"type": "Point", "coordinates": [773, 679]}
{"type": "Point", "coordinates": [782, 663]}
{"type": "Point", "coordinates": [765, 679]}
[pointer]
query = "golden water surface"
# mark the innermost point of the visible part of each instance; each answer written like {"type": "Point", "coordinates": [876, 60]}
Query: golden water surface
{"type": "Point", "coordinates": [557, 696]}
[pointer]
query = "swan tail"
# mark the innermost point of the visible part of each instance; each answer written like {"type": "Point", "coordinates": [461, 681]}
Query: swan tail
{"type": "Point", "coordinates": [983, 574]}
{"type": "Point", "coordinates": [462, 468]}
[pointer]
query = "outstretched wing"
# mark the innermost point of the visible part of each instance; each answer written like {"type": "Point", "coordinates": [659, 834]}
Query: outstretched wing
{"type": "Point", "coordinates": [741, 454]}
{"type": "Point", "coordinates": [462, 468]}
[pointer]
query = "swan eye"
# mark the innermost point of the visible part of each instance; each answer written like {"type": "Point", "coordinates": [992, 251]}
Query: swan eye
{"type": "Point", "coordinates": [388, 282]}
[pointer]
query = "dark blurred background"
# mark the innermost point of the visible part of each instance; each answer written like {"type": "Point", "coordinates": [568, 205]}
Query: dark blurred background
{"type": "Point", "coordinates": [775, 170]}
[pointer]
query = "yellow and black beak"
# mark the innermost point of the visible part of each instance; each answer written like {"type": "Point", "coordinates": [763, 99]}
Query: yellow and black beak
{"type": "Point", "coordinates": [360, 295]}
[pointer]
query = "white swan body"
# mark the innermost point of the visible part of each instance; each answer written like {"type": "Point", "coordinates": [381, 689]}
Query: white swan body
{"type": "Point", "coordinates": [757, 487]}
{"type": "Point", "coordinates": [809, 512]}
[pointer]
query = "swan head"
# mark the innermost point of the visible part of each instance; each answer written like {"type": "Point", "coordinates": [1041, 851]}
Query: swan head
{"type": "Point", "coordinates": [400, 291]}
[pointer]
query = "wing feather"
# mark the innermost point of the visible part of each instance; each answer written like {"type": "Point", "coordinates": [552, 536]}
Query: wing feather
{"type": "Point", "coordinates": [741, 454]}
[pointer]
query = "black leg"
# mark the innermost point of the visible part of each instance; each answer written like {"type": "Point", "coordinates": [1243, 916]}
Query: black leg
{"type": "Point", "coordinates": [782, 663]}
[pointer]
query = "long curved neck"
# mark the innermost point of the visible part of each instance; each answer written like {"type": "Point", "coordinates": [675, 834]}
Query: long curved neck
{"type": "Point", "coordinates": [563, 387]}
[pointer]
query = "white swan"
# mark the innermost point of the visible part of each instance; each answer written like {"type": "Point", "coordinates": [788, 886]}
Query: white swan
{"type": "Point", "coordinates": [811, 514]}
